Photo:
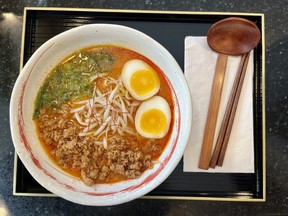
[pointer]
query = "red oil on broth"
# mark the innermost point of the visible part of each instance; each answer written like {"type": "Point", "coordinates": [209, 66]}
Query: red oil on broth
{"type": "Point", "coordinates": [82, 131]}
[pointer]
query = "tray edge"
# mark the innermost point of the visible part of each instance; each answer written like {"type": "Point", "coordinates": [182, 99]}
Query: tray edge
{"type": "Point", "coordinates": [26, 9]}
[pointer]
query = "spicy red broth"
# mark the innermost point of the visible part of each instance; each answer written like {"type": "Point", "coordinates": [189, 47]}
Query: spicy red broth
{"type": "Point", "coordinates": [71, 137]}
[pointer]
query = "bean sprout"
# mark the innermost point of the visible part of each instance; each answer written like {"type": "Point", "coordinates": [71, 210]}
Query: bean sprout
{"type": "Point", "coordinates": [108, 113]}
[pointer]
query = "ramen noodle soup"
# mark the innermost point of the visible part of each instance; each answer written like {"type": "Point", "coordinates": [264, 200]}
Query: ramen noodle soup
{"type": "Point", "coordinates": [104, 114]}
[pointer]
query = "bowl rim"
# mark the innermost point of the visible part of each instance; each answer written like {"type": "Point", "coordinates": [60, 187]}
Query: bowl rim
{"type": "Point", "coordinates": [15, 112]}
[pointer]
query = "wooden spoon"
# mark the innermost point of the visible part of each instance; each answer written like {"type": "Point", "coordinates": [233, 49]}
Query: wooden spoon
{"type": "Point", "coordinates": [231, 36]}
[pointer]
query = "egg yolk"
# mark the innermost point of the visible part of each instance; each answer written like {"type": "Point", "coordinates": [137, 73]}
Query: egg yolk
{"type": "Point", "coordinates": [153, 121]}
{"type": "Point", "coordinates": [144, 81]}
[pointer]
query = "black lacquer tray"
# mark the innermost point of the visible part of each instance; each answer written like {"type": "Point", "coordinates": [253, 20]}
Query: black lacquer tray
{"type": "Point", "coordinates": [169, 29]}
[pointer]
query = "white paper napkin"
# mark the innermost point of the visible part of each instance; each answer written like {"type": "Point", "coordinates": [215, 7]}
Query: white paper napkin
{"type": "Point", "coordinates": [200, 62]}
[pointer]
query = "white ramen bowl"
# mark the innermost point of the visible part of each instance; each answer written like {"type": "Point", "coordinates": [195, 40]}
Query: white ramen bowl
{"type": "Point", "coordinates": [24, 133]}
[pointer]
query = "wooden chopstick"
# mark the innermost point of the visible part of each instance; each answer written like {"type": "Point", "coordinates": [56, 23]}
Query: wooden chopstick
{"type": "Point", "coordinates": [227, 114]}
{"type": "Point", "coordinates": [227, 123]}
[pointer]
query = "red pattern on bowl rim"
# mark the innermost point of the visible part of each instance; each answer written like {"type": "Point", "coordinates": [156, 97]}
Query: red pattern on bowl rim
{"type": "Point", "coordinates": [37, 163]}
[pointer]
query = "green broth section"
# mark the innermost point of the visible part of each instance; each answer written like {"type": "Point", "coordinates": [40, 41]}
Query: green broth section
{"type": "Point", "coordinates": [71, 78]}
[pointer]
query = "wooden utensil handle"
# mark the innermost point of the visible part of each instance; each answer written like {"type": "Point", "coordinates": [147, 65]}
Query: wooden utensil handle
{"type": "Point", "coordinates": [233, 111]}
{"type": "Point", "coordinates": [224, 124]}
{"type": "Point", "coordinates": [213, 111]}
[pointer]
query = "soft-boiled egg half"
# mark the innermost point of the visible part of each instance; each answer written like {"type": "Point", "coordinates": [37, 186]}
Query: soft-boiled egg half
{"type": "Point", "coordinates": [140, 79]}
{"type": "Point", "coordinates": [153, 118]}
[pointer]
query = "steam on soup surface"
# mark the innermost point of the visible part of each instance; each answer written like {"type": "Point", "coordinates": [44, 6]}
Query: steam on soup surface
{"type": "Point", "coordinates": [85, 114]}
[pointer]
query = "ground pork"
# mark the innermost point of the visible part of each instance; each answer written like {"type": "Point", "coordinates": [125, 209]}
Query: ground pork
{"type": "Point", "coordinates": [123, 156]}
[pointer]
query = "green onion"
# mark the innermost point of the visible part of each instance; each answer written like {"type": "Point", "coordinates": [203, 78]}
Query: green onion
{"type": "Point", "coordinates": [71, 77]}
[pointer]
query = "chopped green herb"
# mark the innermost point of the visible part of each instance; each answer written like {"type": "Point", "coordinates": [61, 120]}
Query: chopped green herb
{"type": "Point", "coordinates": [71, 78]}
